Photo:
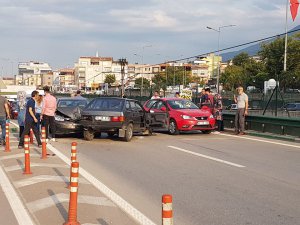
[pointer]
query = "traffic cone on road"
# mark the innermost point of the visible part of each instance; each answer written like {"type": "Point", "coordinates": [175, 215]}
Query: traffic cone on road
{"type": "Point", "coordinates": [167, 211]}
{"type": "Point", "coordinates": [7, 145]}
{"type": "Point", "coordinates": [27, 155]}
{"type": "Point", "coordinates": [44, 144]}
{"type": "Point", "coordinates": [72, 217]}
{"type": "Point", "coordinates": [31, 136]}
{"type": "Point", "coordinates": [73, 156]}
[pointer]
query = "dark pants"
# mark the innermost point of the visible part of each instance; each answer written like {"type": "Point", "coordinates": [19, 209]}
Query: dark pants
{"type": "Point", "coordinates": [38, 124]}
{"type": "Point", "coordinates": [28, 126]}
{"type": "Point", "coordinates": [21, 130]}
{"type": "Point", "coordinates": [49, 122]}
{"type": "Point", "coordinates": [220, 125]}
{"type": "Point", "coordinates": [240, 120]}
{"type": "Point", "coordinates": [3, 128]}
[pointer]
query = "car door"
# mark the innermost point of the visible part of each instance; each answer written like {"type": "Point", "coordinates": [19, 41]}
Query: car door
{"type": "Point", "coordinates": [158, 115]}
{"type": "Point", "coordinates": [137, 115]}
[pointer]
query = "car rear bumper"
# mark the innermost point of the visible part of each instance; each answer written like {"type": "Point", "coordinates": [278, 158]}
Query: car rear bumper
{"type": "Point", "coordinates": [102, 126]}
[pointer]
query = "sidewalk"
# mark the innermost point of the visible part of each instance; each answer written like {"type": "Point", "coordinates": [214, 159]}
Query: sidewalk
{"type": "Point", "coordinates": [45, 195]}
{"type": "Point", "coordinates": [7, 216]}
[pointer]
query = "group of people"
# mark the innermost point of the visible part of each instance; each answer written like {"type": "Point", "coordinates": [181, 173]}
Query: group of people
{"type": "Point", "coordinates": [214, 102]}
{"type": "Point", "coordinates": [36, 112]}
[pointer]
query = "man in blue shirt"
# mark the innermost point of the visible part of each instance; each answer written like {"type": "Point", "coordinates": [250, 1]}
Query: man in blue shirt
{"type": "Point", "coordinates": [31, 120]}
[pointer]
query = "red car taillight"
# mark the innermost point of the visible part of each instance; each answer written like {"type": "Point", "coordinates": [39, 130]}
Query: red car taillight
{"type": "Point", "coordinates": [117, 119]}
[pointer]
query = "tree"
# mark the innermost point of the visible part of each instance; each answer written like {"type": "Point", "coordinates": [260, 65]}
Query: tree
{"type": "Point", "coordinates": [241, 59]}
{"type": "Point", "coordinates": [272, 55]}
{"type": "Point", "coordinates": [138, 83]}
{"type": "Point", "coordinates": [110, 79]}
{"type": "Point", "coordinates": [233, 77]}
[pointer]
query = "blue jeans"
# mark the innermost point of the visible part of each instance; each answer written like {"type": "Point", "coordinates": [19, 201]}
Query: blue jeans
{"type": "Point", "coordinates": [3, 127]}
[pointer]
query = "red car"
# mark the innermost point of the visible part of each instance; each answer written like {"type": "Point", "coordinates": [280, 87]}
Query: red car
{"type": "Point", "coordinates": [182, 115]}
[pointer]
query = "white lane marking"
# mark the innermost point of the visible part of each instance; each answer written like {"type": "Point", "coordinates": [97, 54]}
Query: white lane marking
{"type": "Point", "coordinates": [44, 178]}
{"type": "Point", "coordinates": [19, 155]}
{"type": "Point", "coordinates": [62, 197]}
{"type": "Point", "coordinates": [16, 204]}
{"type": "Point", "coordinates": [118, 200]}
{"type": "Point", "coordinates": [20, 167]}
{"type": "Point", "coordinates": [207, 157]}
{"type": "Point", "coordinates": [13, 123]}
{"type": "Point", "coordinates": [265, 141]}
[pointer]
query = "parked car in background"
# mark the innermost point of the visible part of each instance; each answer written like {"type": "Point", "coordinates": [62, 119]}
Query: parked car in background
{"type": "Point", "coordinates": [292, 106]}
{"type": "Point", "coordinates": [232, 107]}
{"type": "Point", "coordinates": [116, 116]}
{"type": "Point", "coordinates": [182, 115]}
{"type": "Point", "coordinates": [68, 114]}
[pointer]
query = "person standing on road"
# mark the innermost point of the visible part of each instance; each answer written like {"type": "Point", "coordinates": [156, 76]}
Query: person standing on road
{"type": "Point", "coordinates": [21, 104]}
{"type": "Point", "coordinates": [38, 110]}
{"type": "Point", "coordinates": [242, 111]}
{"type": "Point", "coordinates": [48, 112]}
{"type": "Point", "coordinates": [4, 114]}
{"type": "Point", "coordinates": [78, 95]}
{"type": "Point", "coordinates": [30, 120]}
{"type": "Point", "coordinates": [156, 95]}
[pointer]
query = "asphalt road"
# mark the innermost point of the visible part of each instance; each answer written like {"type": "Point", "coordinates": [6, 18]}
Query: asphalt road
{"type": "Point", "coordinates": [214, 179]}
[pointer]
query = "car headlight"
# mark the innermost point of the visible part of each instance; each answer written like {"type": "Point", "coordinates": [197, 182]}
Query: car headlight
{"type": "Point", "coordinates": [59, 118]}
{"type": "Point", "coordinates": [186, 117]}
{"type": "Point", "coordinates": [211, 116]}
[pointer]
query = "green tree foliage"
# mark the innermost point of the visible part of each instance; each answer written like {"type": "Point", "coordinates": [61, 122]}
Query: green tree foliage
{"type": "Point", "coordinates": [272, 55]}
{"type": "Point", "coordinates": [110, 79]}
{"type": "Point", "coordinates": [172, 75]}
{"type": "Point", "coordinates": [138, 83]}
{"type": "Point", "coordinates": [241, 59]}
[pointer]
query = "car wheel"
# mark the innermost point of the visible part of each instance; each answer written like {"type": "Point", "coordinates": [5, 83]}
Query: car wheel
{"type": "Point", "coordinates": [88, 135]}
{"type": "Point", "coordinates": [206, 131]}
{"type": "Point", "coordinates": [173, 127]}
{"type": "Point", "coordinates": [128, 133]}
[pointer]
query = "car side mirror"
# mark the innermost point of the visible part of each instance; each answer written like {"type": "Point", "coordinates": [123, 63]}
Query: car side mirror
{"type": "Point", "coordinates": [164, 109]}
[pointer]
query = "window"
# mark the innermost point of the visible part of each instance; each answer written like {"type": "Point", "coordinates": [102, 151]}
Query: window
{"type": "Point", "coordinates": [105, 104]}
{"type": "Point", "coordinates": [182, 104]}
{"type": "Point", "coordinates": [71, 103]}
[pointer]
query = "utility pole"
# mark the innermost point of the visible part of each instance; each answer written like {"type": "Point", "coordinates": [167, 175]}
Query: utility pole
{"type": "Point", "coordinates": [123, 62]}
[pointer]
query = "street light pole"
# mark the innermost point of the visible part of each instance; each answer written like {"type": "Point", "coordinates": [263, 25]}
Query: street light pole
{"type": "Point", "coordinates": [142, 85]}
{"type": "Point", "coordinates": [218, 68]}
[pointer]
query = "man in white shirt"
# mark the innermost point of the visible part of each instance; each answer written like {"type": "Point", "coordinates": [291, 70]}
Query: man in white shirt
{"type": "Point", "coordinates": [242, 111]}
{"type": "Point", "coordinates": [156, 95]}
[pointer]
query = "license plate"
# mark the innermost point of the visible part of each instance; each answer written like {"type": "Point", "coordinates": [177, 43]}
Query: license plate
{"type": "Point", "coordinates": [203, 123]}
{"type": "Point", "coordinates": [102, 118]}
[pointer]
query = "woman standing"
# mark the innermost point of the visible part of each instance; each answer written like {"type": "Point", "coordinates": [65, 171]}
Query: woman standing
{"type": "Point", "coordinates": [21, 107]}
{"type": "Point", "coordinates": [38, 111]}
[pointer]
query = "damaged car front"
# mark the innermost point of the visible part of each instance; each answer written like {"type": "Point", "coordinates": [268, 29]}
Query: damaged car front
{"type": "Point", "coordinates": [67, 120]}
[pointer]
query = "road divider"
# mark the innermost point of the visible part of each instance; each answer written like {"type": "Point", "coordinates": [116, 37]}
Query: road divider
{"type": "Point", "coordinates": [7, 146]}
{"type": "Point", "coordinates": [44, 144]}
{"type": "Point", "coordinates": [72, 216]}
{"type": "Point", "coordinates": [167, 210]}
{"type": "Point", "coordinates": [27, 155]}
{"type": "Point", "coordinates": [73, 156]}
{"type": "Point", "coordinates": [207, 157]}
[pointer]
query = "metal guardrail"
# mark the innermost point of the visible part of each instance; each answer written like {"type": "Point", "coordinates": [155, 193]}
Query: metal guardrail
{"type": "Point", "coordinates": [275, 125]}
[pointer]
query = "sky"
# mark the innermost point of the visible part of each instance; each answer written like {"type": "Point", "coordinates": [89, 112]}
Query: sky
{"type": "Point", "coordinates": [151, 31]}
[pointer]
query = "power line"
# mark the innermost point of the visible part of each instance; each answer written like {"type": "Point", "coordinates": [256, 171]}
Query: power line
{"type": "Point", "coordinates": [236, 46]}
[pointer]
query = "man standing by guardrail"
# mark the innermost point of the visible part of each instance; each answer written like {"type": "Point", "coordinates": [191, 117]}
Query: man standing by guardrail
{"type": "Point", "coordinates": [242, 111]}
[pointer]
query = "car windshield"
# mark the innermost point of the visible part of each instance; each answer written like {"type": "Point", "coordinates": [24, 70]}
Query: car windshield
{"type": "Point", "coordinates": [115, 105]}
{"type": "Point", "coordinates": [181, 104]}
{"type": "Point", "coordinates": [62, 103]}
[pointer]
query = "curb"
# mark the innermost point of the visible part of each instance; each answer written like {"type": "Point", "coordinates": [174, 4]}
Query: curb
{"type": "Point", "coordinates": [269, 135]}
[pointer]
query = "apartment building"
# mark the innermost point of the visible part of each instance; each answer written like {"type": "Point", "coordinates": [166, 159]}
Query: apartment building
{"type": "Point", "coordinates": [212, 62]}
{"type": "Point", "coordinates": [90, 72]}
{"type": "Point", "coordinates": [34, 74]}
{"type": "Point", "coordinates": [202, 71]}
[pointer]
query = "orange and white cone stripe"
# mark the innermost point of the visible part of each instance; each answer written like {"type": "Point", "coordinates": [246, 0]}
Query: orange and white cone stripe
{"type": "Point", "coordinates": [27, 155]}
{"type": "Point", "coordinates": [31, 136]}
{"type": "Point", "coordinates": [167, 211]}
{"type": "Point", "coordinates": [72, 217]}
{"type": "Point", "coordinates": [7, 145]}
{"type": "Point", "coordinates": [73, 152]}
{"type": "Point", "coordinates": [44, 143]}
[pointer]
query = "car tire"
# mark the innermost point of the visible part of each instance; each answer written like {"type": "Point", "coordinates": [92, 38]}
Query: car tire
{"type": "Point", "coordinates": [128, 133]}
{"type": "Point", "coordinates": [88, 135]}
{"type": "Point", "coordinates": [173, 127]}
{"type": "Point", "coordinates": [206, 131]}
